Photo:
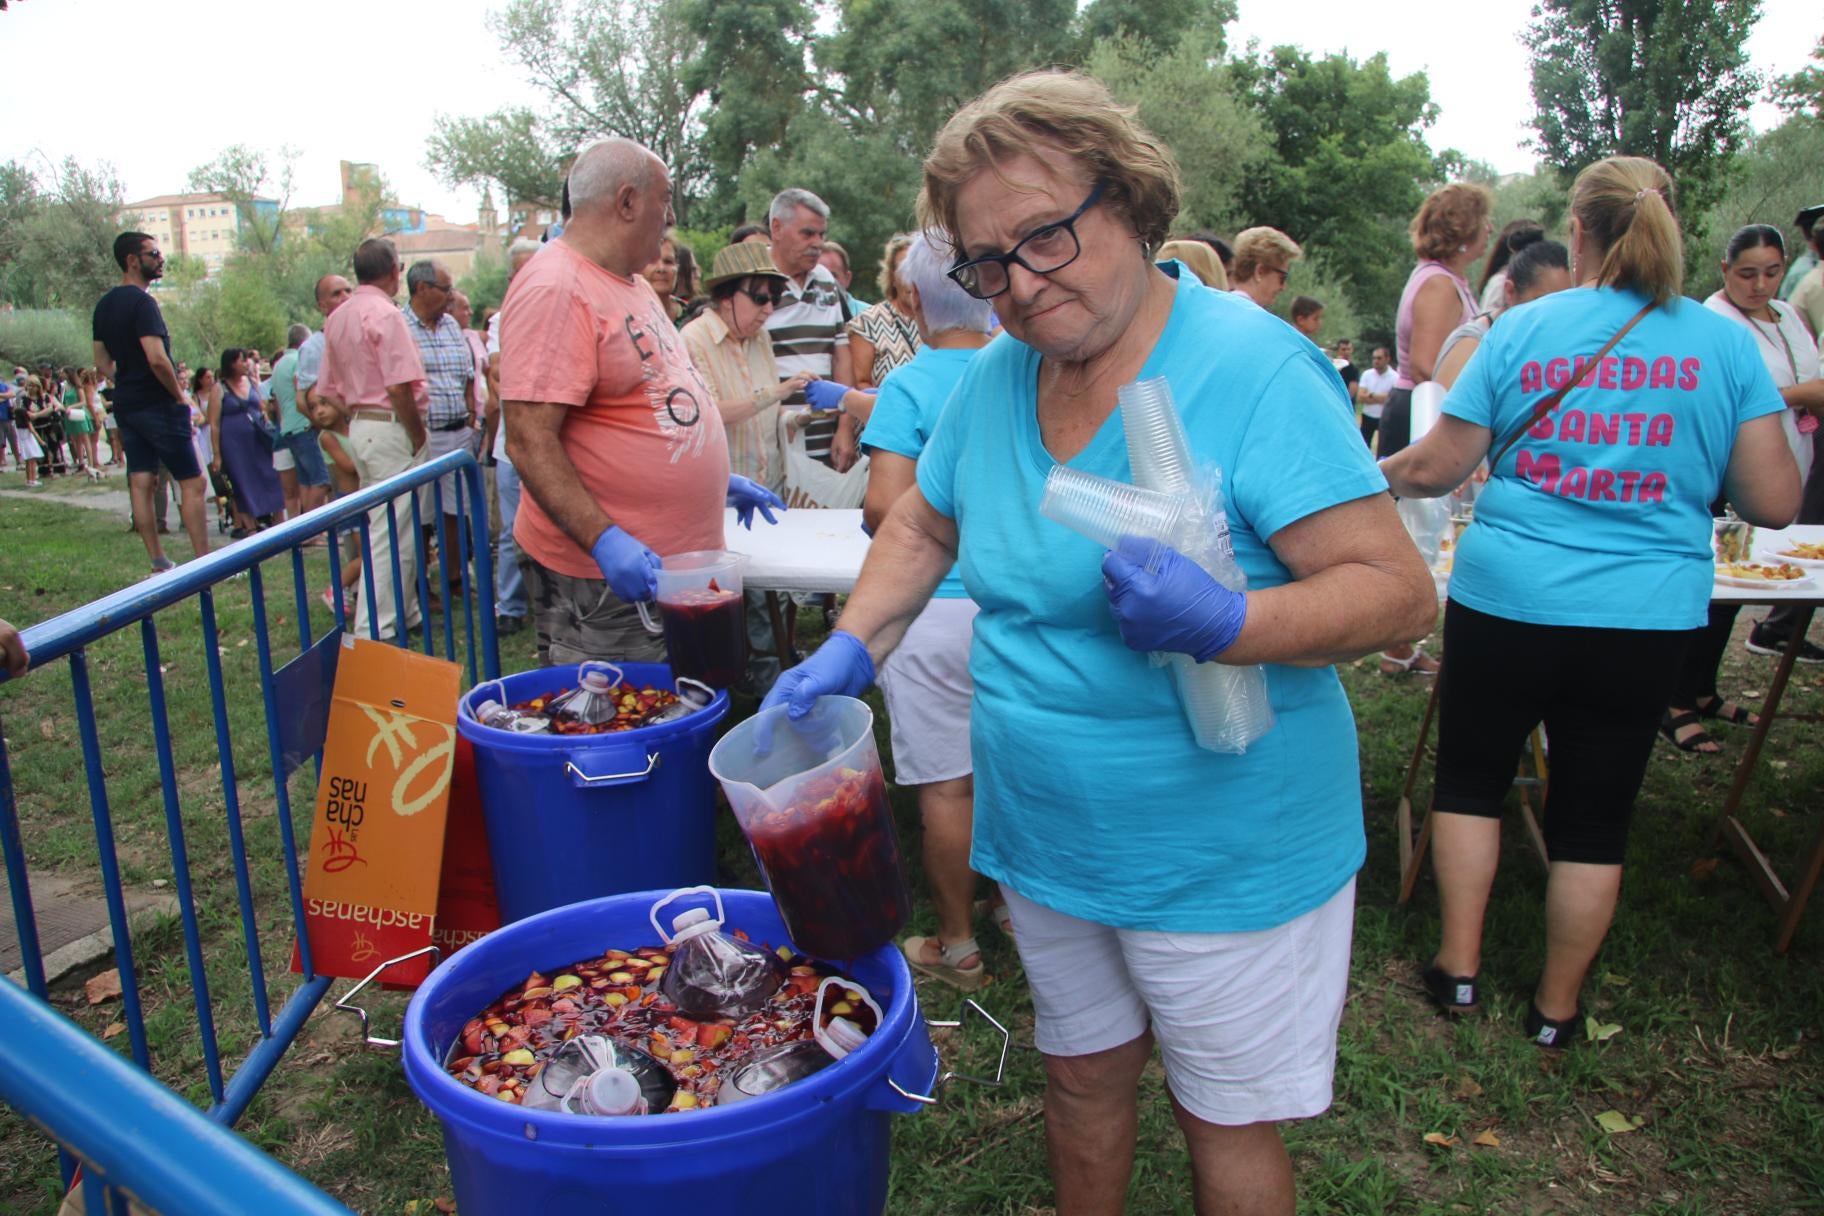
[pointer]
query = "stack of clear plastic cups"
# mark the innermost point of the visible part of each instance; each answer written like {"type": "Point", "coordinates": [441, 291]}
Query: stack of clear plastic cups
{"type": "Point", "coordinates": [1105, 510]}
{"type": "Point", "coordinates": [1228, 707]}
{"type": "Point", "coordinates": [1157, 449]}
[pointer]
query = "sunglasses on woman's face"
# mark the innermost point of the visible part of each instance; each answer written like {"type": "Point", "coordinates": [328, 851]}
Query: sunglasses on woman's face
{"type": "Point", "coordinates": [763, 299]}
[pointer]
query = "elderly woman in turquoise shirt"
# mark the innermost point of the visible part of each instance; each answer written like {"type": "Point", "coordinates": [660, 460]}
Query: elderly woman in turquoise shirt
{"type": "Point", "coordinates": [1158, 891]}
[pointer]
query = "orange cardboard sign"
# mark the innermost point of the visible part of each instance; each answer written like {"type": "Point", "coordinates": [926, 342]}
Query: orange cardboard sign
{"type": "Point", "coordinates": [466, 905]}
{"type": "Point", "coordinates": [376, 841]}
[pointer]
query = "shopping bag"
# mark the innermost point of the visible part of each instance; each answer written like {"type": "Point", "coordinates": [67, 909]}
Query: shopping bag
{"type": "Point", "coordinates": [377, 834]}
{"type": "Point", "coordinates": [811, 483]}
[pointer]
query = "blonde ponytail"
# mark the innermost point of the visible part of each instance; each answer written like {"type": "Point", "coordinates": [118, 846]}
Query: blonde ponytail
{"type": "Point", "coordinates": [1626, 205]}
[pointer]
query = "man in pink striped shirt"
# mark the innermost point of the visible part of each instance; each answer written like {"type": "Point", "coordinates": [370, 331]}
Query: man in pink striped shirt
{"type": "Point", "coordinates": [371, 365]}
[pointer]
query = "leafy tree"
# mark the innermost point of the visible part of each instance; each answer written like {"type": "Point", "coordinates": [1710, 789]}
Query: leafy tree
{"type": "Point", "coordinates": [1158, 22]}
{"type": "Point", "coordinates": [1190, 99]}
{"type": "Point", "coordinates": [486, 282]}
{"type": "Point", "coordinates": [902, 67]}
{"type": "Point", "coordinates": [868, 179]}
{"type": "Point", "coordinates": [258, 189]}
{"type": "Point", "coordinates": [19, 202]}
{"type": "Point", "coordinates": [606, 67]}
{"type": "Point", "coordinates": [1348, 167]}
{"type": "Point", "coordinates": [752, 67]}
{"type": "Point", "coordinates": [508, 148]}
{"type": "Point", "coordinates": [1803, 91]}
{"type": "Point", "coordinates": [65, 239]}
{"type": "Point", "coordinates": [1769, 182]}
{"type": "Point", "coordinates": [1666, 79]}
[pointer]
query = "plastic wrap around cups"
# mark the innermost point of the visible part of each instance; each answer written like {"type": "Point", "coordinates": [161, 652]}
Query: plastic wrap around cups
{"type": "Point", "coordinates": [701, 614]}
{"type": "Point", "coordinates": [1426, 520]}
{"type": "Point", "coordinates": [810, 797]}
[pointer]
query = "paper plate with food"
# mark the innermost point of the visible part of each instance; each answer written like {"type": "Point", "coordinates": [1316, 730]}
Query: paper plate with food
{"type": "Point", "coordinates": [1798, 553]}
{"type": "Point", "coordinates": [1783, 575]}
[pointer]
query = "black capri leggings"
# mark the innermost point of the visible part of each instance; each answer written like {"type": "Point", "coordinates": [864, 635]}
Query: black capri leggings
{"type": "Point", "coordinates": [1600, 693]}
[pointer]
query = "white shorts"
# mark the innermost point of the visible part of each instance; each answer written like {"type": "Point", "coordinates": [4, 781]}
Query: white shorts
{"type": "Point", "coordinates": [283, 460]}
{"type": "Point", "coordinates": [1246, 1022]}
{"type": "Point", "coordinates": [927, 688]}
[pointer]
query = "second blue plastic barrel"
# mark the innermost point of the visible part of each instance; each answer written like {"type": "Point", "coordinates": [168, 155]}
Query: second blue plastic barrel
{"type": "Point", "coordinates": [818, 1145]}
{"type": "Point", "coordinates": [575, 817]}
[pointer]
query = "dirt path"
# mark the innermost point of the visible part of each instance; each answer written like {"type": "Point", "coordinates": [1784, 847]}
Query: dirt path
{"type": "Point", "coordinates": [95, 500]}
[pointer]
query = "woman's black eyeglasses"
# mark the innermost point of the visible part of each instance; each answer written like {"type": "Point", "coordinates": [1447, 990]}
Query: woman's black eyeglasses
{"type": "Point", "coordinates": [1046, 250]}
{"type": "Point", "coordinates": [764, 298]}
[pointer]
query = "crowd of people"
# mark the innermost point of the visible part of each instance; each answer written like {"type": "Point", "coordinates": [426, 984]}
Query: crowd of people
{"type": "Point", "coordinates": [625, 394]}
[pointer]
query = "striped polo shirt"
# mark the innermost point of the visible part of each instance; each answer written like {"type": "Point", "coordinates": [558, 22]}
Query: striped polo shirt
{"type": "Point", "coordinates": [806, 330]}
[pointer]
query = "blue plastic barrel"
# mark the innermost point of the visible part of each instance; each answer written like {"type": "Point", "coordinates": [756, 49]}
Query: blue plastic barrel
{"type": "Point", "coordinates": [820, 1144]}
{"type": "Point", "coordinates": [574, 817]}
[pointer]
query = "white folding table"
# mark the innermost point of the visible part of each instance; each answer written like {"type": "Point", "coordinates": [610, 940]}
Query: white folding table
{"type": "Point", "coordinates": [809, 550]}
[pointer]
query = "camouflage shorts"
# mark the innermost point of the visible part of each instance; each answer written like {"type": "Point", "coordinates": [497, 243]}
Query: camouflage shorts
{"type": "Point", "coordinates": [579, 618]}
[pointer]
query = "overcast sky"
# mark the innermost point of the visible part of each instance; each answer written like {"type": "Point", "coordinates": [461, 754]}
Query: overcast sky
{"type": "Point", "coordinates": [290, 82]}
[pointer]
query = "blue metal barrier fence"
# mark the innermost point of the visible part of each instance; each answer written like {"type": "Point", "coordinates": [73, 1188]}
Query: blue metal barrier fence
{"type": "Point", "coordinates": [96, 1105]}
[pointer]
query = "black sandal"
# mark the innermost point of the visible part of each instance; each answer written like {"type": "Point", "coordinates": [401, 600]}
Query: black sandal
{"type": "Point", "coordinates": [1670, 724]}
{"type": "Point", "coordinates": [1453, 994]}
{"type": "Point", "coordinates": [1555, 1035]}
{"type": "Point", "coordinates": [1737, 717]}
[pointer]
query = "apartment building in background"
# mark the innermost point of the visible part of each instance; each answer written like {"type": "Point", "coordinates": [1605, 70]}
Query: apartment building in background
{"type": "Point", "coordinates": [205, 226]}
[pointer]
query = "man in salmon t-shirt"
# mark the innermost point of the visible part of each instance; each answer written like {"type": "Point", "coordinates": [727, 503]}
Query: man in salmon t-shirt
{"type": "Point", "coordinates": [616, 438]}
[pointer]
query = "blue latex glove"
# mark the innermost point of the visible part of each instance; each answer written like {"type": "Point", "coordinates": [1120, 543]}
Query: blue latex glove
{"type": "Point", "coordinates": [1176, 607]}
{"type": "Point", "coordinates": [825, 395]}
{"type": "Point", "coordinates": [746, 496]}
{"type": "Point", "coordinates": [840, 667]}
{"type": "Point", "coordinates": [632, 570]}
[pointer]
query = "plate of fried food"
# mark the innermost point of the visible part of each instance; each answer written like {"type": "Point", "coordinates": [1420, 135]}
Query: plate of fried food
{"type": "Point", "coordinates": [1798, 553]}
{"type": "Point", "coordinates": [1783, 575]}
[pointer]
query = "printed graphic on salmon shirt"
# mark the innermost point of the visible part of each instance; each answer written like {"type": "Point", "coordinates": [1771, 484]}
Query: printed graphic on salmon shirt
{"type": "Point", "coordinates": [674, 390]}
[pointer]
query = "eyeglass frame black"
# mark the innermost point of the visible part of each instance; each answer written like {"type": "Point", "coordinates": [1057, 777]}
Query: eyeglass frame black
{"type": "Point", "coordinates": [775, 298]}
{"type": "Point", "coordinates": [1012, 256]}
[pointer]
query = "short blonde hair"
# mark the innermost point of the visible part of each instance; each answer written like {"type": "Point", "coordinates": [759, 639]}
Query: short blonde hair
{"type": "Point", "coordinates": [897, 244]}
{"type": "Point", "coordinates": [1627, 206]}
{"type": "Point", "coordinates": [1263, 248]}
{"type": "Point", "coordinates": [1061, 111]}
{"type": "Point", "coordinates": [1200, 258]}
{"type": "Point", "coordinates": [1450, 218]}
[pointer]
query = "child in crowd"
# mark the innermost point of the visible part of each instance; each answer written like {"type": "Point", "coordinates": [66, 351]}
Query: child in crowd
{"type": "Point", "coordinates": [30, 452]}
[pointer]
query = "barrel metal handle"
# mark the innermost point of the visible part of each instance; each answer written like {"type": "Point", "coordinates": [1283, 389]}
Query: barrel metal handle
{"type": "Point", "coordinates": [652, 762]}
{"type": "Point", "coordinates": [379, 1044]}
{"type": "Point", "coordinates": [944, 1078]}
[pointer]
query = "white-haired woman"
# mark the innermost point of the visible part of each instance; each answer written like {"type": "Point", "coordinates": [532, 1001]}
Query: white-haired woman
{"type": "Point", "coordinates": [926, 681]}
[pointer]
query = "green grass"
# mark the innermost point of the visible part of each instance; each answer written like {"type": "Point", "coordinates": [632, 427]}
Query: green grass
{"type": "Point", "coordinates": [1719, 1052]}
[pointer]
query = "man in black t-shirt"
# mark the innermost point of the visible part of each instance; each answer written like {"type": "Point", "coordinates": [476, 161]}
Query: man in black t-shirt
{"type": "Point", "coordinates": [133, 349]}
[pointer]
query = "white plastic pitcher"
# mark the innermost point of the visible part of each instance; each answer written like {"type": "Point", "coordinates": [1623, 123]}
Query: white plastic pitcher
{"type": "Point", "coordinates": [812, 801]}
{"type": "Point", "coordinates": [682, 573]}
{"type": "Point", "coordinates": [702, 615]}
